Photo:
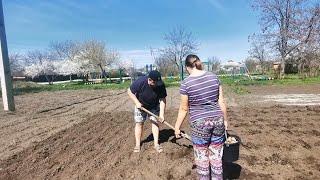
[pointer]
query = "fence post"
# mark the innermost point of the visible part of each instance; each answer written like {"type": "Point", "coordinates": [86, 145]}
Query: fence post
{"type": "Point", "coordinates": [181, 71]}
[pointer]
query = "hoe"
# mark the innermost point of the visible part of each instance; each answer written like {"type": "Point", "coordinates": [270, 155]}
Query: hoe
{"type": "Point", "coordinates": [166, 123]}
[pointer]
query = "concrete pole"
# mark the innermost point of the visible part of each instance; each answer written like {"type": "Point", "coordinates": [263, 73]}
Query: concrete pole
{"type": "Point", "coordinates": [6, 83]}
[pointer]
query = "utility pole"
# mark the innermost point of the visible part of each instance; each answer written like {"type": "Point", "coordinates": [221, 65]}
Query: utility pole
{"type": "Point", "coordinates": [5, 75]}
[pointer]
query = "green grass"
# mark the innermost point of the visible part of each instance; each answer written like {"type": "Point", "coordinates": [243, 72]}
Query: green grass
{"type": "Point", "coordinates": [31, 87]}
{"type": "Point", "coordinates": [172, 82]}
{"type": "Point", "coordinates": [295, 80]}
{"type": "Point", "coordinates": [288, 80]}
{"type": "Point", "coordinates": [238, 85]}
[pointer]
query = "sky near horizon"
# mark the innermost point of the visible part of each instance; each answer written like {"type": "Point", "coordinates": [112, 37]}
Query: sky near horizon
{"type": "Point", "coordinates": [221, 27]}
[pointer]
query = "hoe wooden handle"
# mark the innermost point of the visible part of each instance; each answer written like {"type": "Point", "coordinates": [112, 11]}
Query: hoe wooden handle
{"type": "Point", "coordinates": [165, 122]}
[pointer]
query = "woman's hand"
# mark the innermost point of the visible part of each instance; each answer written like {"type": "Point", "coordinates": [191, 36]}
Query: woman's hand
{"type": "Point", "coordinates": [161, 118]}
{"type": "Point", "coordinates": [183, 110]}
{"type": "Point", "coordinates": [177, 132]}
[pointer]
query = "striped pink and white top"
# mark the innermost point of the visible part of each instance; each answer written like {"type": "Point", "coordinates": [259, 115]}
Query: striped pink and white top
{"type": "Point", "coordinates": [203, 95]}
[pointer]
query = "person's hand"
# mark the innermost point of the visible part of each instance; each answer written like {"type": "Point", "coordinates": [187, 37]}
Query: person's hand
{"type": "Point", "coordinates": [177, 132]}
{"type": "Point", "coordinates": [225, 124]}
{"type": "Point", "coordinates": [138, 105]}
{"type": "Point", "coordinates": [161, 118]}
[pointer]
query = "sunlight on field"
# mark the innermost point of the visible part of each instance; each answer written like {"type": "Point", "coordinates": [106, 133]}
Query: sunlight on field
{"type": "Point", "coordinates": [294, 99]}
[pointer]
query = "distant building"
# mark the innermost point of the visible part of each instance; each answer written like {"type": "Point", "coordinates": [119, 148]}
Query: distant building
{"type": "Point", "coordinates": [276, 65]}
{"type": "Point", "coordinates": [232, 67]}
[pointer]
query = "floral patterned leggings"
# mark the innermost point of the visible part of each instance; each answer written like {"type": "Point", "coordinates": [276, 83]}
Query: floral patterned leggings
{"type": "Point", "coordinates": [208, 138]}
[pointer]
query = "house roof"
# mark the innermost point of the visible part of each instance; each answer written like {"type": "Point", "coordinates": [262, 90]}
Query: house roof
{"type": "Point", "coordinates": [232, 64]}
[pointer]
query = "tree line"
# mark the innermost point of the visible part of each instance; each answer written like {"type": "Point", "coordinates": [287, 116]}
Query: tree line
{"type": "Point", "coordinates": [290, 35]}
{"type": "Point", "coordinates": [68, 58]}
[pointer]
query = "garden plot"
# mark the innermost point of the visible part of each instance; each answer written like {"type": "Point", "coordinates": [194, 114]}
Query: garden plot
{"type": "Point", "coordinates": [88, 134]}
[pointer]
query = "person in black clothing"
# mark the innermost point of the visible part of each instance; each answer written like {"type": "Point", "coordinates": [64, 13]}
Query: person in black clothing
{"type": "Point", "coordinates": [148, 92]}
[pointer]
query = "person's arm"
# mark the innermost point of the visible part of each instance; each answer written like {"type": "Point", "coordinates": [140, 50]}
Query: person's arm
{"type": "Point", "coordinates": [223, 107]}
{"type": "Point", "coordinates": [162, 109]}
{"type": "Point", "coordinates": [134, 99]}
{"type": "Point", "coordinates": [183, 110]}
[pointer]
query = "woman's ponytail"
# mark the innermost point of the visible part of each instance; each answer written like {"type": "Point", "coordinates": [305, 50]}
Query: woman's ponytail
{"type": "Point", "coordinates": [193, 61]}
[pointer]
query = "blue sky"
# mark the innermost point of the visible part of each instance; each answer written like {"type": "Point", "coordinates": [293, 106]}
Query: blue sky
{"type": "Point", "coordinates": [132, 26]}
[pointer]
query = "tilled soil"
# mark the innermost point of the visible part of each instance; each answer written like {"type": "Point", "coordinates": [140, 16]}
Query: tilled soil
{"type": "Point", "coordinates": [40, 115]}
{"type": "Point", "coordinates": [89, 135]}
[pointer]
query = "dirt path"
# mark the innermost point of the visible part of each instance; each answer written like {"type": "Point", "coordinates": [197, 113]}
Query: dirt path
{"type": "Point", "coordinates": [89, 135]}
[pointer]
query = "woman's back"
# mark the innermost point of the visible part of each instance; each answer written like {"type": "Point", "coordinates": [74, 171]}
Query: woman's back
{"type": "Point", "coordinates": [203, 95]}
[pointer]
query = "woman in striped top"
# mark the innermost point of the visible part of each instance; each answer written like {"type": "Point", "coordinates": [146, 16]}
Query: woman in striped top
{"type": "Point", "coordinates": [201, 95]}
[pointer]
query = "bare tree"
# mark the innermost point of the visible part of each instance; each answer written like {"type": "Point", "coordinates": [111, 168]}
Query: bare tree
{"type": "Point", "coordinates": [309, 61]}
{"type": "Point", "coordinates": [164, 62]}
{"type": "Point", "coordinates": [281, 25]}
{"type": "Point", "coordinates": [127, 67]}
{"type": "Point", "coordinates": [38, 56]}
{"type": "Point", "coordinates": [41, 63]}
{"type": "Point", "coordinates": [258, 50]}
{"type": "Point", "coordinates": [166, 67]}
{"type": "Point", "coordinates": [96, 53]}
{"type": "Point", "coordinates": [309, 64]}
{"type": "Point", "coordinates": [308, 52]}
{"type": "Point", "coordinates": [65, 50]}
{"type": "Point", "coordinates": [251, 64]}
{"type": "Point", "coordinates": [112, 57]}
{"type": "Point", "coordinates": [180, 43]}
{"type": "Point", "coordinates": [16, 65]}
{"type": "Point", "coordinates": [215, 63]}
